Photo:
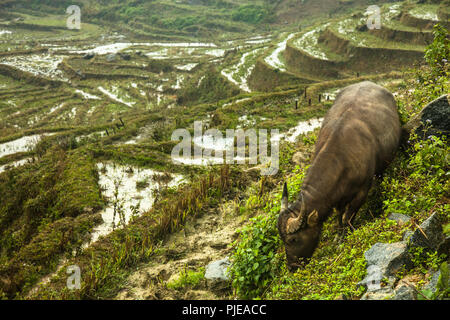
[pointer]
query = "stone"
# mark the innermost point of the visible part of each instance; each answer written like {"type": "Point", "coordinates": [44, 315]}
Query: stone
{"type": "Point", "coordinates": [407, 235]}
{"type": "Point", "coordinates": [389, 257]}
{"type": "Point", "coordinates": [216, 275]}
{"type": "Point", "coordinates": [217, 270]}
{"type": "Point", "coordinates": [125, 56]}
{"type": "Point", "coordinates": [404, 290]}
{"type": "Point", "coordinates": [382, 294]}
{"type": "Point", "coordinates": [432, 284]}
{"type": "Point", "coordinates": [429, 234]}
{"type": "Point", "coordinates": [444, 246]}
{"type": "Point", "coordinates": [383, 261]}
{"type": "Point", "coordinates": [111, 57]}
{"type": "Point", "coordinates": [434, 119]}
{"type": "Point", "coordinates": [89, 56]}
{"type": "Point", "coordinates": [401, 219]}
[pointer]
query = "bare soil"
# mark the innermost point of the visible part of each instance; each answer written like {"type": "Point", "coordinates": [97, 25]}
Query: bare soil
{"type": "Point", "coordinates": [203, 240]}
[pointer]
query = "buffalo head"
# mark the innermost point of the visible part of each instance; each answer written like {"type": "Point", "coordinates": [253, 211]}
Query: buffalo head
{"type": "Point", "coordinates": [299, 230]}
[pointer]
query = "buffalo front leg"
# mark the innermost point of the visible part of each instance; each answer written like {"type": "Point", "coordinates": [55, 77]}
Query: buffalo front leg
{"type": "Point", "coordinates": [341, 227]}
{"type": "Point", "coordinates": [353, 207]}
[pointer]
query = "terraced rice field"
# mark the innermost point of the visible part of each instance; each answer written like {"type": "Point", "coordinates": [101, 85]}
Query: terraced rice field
{"type": "Point", "coordinates": [90, 115]}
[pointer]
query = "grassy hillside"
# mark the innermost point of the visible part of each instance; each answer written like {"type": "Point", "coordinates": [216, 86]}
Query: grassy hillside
{"type": "Point", "coordinates": [181, 18]}
{"type": "Point", "coordinates": [415, 184]}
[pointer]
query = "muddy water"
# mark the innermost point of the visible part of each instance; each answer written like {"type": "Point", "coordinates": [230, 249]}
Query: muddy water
{"type": "Point", "coordinates": [187, 67]}
{"type": "Point", "coordinates": [15, 164]}
{"type": "Point", "coordinates": [222, 145]}
{"type": "Point", "coordinates": [115, 97]}
{"type": "Point", "coordinates": [331, 94]}
{"type": "Point", "coordinates": [426, 15]}
{"type": "Point", "coordinates": [302, 128]}
{"type": "Point", "coordinates": [230, 73]}
{"type": "Point", "coordinates": [86, 95]}
{"type": "Point", "coordinates": [274, 59]}
{"type": "Point", "coordinates": [120, 185]}
{"type": "Point", "coordinates": [309, 43]}
{"type": "Point", "coordinates": [117, 47]}
{"type": "Point", "coordinates": [44, 65]}
{"type": "Point", "coordinates": [23, 144]}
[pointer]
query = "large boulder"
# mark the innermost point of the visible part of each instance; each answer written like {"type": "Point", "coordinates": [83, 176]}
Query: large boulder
{"type": "Point", "coordinates": [383, 261]}
{"type": "Point", "coordinates": [434, 119]}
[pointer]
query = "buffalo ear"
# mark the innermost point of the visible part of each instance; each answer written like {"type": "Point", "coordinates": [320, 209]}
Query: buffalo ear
{"type": "Point", "coordinates": [313, 219]}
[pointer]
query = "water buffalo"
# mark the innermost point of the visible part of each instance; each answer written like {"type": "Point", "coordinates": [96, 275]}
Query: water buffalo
{"type": "Point", "coordinates": [358, 138]}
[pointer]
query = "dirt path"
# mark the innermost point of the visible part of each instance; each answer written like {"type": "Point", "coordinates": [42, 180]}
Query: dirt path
{"type": "Point", "coordinates": [202, 241]}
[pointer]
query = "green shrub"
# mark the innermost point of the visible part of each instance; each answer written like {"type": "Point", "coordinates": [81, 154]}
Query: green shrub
{"type": "Point", "coordinates": [419, 178]}
{"type": "Point", "coordinates": [250, 14]}
{"type": "Point", "coordinates": [438, 52]}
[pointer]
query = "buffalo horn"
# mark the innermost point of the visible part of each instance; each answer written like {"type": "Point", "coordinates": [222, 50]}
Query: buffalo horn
{"type": "Point", "coordinates": [285, 198]}
{"type": "Point", "coordinates": [294, 223]}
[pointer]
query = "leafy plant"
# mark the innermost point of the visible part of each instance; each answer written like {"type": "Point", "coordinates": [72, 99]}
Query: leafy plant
{"type": "Point", "coordinates": [438, 52]}
{"type": "Point", "coordinates": [187, 278]}
{"type": "Point", "coordinates": [257, 258]}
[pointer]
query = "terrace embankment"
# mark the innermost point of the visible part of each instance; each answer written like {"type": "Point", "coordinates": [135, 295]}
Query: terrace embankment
{"type": "Point", "coordinates": [265, 78]}
{"type": "Point", "coordinates": [368, 59]}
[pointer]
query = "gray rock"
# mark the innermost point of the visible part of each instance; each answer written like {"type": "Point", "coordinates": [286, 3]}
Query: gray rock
{"type": "Point", "coordinates": [111, 57]}
{"type": "Point", "coordinates": [404, 291]}
{"type": "Point", "coordinates": [398, 217]}
{"type": "Point", "coordinates": [216, 275]}
{"type": "Point", "coordinates": [407, 235]}
{"type": "Point", "coordinates": [432, 284]}
{"type": "Point", "coordinates": [125, 56]}
{"type": "Point", "coordinates": [383, 261]}
{"type": "Point", "coordinates": [434, 119]}
{"type": "Point", "coordinates": [444, 246]}
{"type": "Point", "coordinates": [389, 257]}
{"type": "Point", "coordinates": [89, 56]}
{"type": "Point", "coordinates": [217, 271]}
{"type": "Point", "coordinates": [429, 235]}
{"type": "Point", "coordinates": [382, 294]}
